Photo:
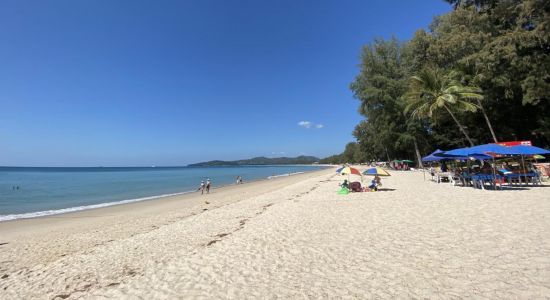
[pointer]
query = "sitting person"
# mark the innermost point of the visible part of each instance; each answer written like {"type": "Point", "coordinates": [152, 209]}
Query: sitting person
{"type": "Point", "coordinates": [375, 183]}
{"type": "Point", "coordinates": [486, 168]}
{"type": "Point", "coordinates": [355, 186]}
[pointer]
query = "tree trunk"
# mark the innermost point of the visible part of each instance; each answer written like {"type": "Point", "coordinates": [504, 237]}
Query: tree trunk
{"type": "Point", "coordinates": [459, 126]}
{"type": "Point", "coordinates": [387, 154]}
{"type": "Point", "coordinates": [418, 154]}
{"type": "Point", "coordinates": [488, 122]}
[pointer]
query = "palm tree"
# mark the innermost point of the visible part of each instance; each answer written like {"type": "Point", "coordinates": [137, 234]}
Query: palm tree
{"type": "Point", "coordinates": [431, 91]}
{"type": "Point", "coordinates": [462, 72]}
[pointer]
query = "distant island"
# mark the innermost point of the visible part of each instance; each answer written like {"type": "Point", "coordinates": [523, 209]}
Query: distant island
{"type": "Point", "coordinates": [300, 160]}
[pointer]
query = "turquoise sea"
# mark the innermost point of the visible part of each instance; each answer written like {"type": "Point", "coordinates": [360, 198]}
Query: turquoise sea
{"type": "Point", "coordinates": [31, 192]}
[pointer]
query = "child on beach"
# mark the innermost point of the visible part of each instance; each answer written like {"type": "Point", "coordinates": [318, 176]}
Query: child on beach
{"type": "Point", "coordinates": [344, 188]}
{"type": "Point", "coordinates": [345, 184]}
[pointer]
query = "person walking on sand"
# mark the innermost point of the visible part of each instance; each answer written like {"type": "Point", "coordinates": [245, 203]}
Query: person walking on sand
{"type": "Point", "coordinates": [201, 187]}
{"type": "Point", "coordinates": [208, 183]}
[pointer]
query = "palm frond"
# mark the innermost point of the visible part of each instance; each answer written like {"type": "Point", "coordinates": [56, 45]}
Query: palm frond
{"type": "Point", "coordinates": [471, 95]}
{"type": "Point", "coordinates": [468, 106]}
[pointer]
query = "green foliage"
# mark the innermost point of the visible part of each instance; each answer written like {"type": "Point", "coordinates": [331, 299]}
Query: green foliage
{"type": "Point", "coordinates": [352, 154]}
{"type": "Point", "coordinates": [333, 159]}
{"type": "Point", "coordinates": [380, 85]}
{"type": "Point", "coordinates": [503, 48]}
{"type": "Point", "coordinates": [483, 65]}
{"type": "Point", "coordinates": [431, 91]}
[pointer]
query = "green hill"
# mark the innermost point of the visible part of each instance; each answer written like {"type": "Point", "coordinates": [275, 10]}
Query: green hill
{"type": "Point", "coordinates": [300, 160]}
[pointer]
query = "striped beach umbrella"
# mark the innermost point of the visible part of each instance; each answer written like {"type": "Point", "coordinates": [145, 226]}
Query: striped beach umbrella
{"type": "Point", "coordinates": [376, 171]}
{"type": "Point", "coordinates": [349, 170]}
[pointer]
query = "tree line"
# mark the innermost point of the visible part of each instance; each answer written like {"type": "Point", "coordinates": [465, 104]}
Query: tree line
{"type": "Point", "coordinates": [478, 75]}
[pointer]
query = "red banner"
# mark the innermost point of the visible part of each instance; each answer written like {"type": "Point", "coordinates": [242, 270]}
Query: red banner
{"type": "Point", "coordinates": [515, 143]}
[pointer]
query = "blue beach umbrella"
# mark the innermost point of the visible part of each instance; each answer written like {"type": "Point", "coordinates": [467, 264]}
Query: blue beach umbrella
{"type": "Point", "coordinates": [528, 150]}
{"type": "Point", "coordinates": [486, 149]}
{"type": "Point", "coordinates": [480, 156]}
{"type": "Point", "coordinates": [445, 156]}
{"type": "Point", "coordinates": [432, 157]}
{"type": "Point", "coordinates": [460, 152]}
{"type": "Point", "coordinates": [491, 149]}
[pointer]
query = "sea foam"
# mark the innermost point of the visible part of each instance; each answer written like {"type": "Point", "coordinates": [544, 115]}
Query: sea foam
{"type": "Point", "coordinates": [80, 208]}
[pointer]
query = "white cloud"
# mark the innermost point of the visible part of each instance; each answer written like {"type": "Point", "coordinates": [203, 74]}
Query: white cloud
{"type": "Point", "coordinates": [305, 124]}
{"type": "Point", "coordinates": [308, 125]}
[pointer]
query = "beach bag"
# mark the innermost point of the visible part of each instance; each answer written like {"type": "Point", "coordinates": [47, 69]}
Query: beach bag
{"type": "Point", "coordinates": [343, 191]}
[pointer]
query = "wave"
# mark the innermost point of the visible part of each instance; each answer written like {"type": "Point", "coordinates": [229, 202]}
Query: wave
{"type": "Point", "coordinates": [80, 208]}
{"type": "Point", "coordinates": [284, 175]}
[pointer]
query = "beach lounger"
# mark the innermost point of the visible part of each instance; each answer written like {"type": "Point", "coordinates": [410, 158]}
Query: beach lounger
{"type": "Point", "coordinates": [479, 180]}
{"type": "Point", "coordinates": [456, 180]}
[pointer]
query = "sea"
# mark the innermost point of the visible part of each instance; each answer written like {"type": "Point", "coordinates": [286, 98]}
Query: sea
{"type": "Point", "coordinates": [27, 192]}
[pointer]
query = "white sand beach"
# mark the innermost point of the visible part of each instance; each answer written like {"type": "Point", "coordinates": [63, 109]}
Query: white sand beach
{"type": "Point", "coordinates": [290, 237]}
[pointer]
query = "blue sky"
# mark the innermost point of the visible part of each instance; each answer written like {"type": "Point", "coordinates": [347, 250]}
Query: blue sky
{"type": "Point", "coordinates": [117, 83]}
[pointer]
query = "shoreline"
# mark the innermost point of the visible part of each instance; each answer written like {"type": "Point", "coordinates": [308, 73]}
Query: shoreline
{"type": "Point", "coordinates": [147, 206]}
{"type": "Point", "coordinates": [67, 210]}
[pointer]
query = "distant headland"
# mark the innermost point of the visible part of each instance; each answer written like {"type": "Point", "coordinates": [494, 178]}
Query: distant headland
{"type": "Point", "coordinates": [300, 160]}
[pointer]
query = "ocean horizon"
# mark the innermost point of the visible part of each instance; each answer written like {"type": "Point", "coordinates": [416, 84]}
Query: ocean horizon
{"type": "Point", "coordinates": [27, 192]}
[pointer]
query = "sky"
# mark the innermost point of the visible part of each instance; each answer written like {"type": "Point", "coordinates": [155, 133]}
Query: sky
{"type": "Point", "coordinates": [167, 83]}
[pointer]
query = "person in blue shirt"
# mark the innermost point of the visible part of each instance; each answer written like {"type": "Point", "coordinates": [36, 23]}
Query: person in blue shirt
{"type": "Point", "coordinates": [375, 183]}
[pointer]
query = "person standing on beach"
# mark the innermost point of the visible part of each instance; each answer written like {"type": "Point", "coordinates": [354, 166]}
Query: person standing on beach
{"type": "Point", "coordinates": [201, 187]}
{"type": "Point", "coordinates": [208, 183]}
